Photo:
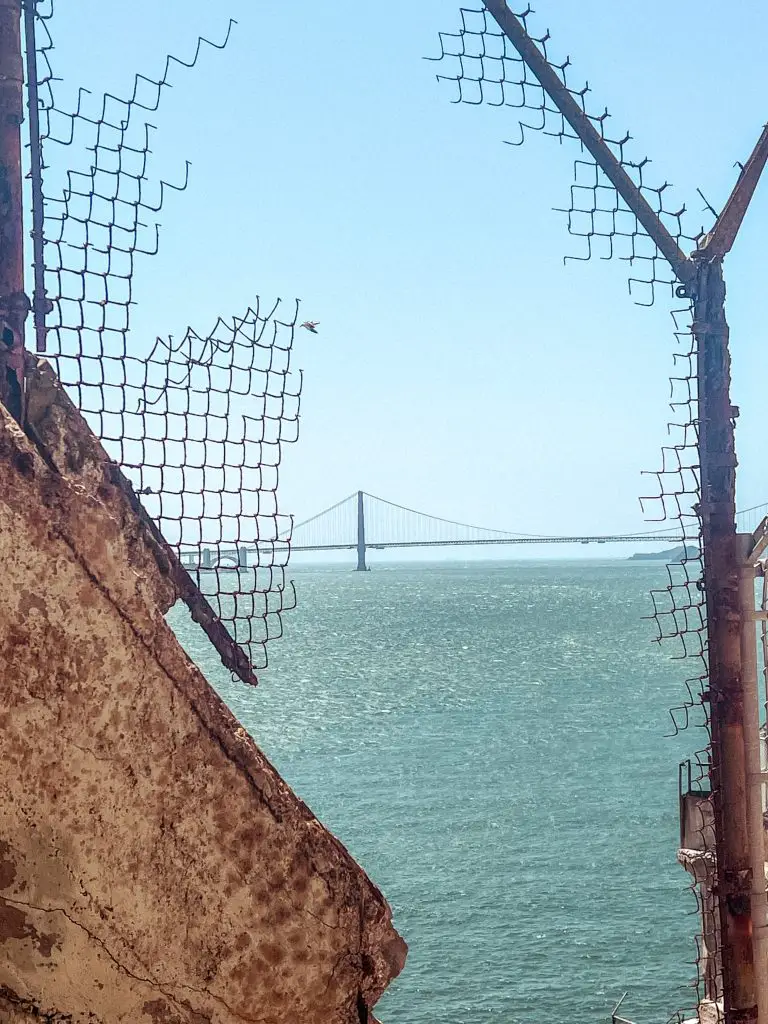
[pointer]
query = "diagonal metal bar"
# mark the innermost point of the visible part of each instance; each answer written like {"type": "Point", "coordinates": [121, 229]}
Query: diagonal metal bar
{"type": "Point", "coordinates": [722, 236]}
{"type": "Point", "coordinates": [514, 30]}
{"type": "Point", "coordinates": [231, 653]}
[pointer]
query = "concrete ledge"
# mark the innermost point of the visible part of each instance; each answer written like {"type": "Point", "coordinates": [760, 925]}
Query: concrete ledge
{"type": "Point", "coordinates": [153, 864]}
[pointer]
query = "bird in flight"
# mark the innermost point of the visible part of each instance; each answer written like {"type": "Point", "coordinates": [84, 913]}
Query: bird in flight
{"type": "Point", "coordinates": [311, 325]}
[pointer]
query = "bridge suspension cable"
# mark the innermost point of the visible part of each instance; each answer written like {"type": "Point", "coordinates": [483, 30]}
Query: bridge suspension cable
{"type": "Point", "coordinates": [391, 524]}
{"type": "Point", "coordinates": [449, 522]}
{"type": "Point", "coordinates": [364, 521]}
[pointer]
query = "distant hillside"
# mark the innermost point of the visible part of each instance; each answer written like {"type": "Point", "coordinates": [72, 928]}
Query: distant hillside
{"type": "Point", "coordinates": [670, 555]}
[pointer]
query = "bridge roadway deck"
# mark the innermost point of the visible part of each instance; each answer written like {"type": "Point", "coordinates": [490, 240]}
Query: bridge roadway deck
{"type": "Point", "coordinates": [193, 557]}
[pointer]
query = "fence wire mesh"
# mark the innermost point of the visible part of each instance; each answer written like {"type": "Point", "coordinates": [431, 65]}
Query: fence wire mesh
{"type": "Point", "coordinates": [679, 616]}
{"type": "Point", "coordinates": [197, 423]}
{"type": "Point", "coordinates": [484, 67]}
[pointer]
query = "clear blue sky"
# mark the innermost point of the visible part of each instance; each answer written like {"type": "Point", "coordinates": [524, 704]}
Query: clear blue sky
{"type": "Point", "coordinates": [461, 368]}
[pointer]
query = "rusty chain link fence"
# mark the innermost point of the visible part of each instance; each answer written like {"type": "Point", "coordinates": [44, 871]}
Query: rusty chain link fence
{"type": "Point", "coordinates": [494, 57]}
{"type": "Point", "coordinates": [197, 423]}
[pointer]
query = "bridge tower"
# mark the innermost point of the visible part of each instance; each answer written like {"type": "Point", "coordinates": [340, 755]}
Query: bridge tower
{"type": "Point", "coordinates": [361, 566]}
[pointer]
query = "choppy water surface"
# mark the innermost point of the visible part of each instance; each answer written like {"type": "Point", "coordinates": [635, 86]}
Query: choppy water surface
{"type": "Point", "coordinates": [489, 742]}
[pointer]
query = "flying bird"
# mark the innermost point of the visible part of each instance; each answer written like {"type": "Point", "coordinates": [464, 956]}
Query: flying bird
{"type": "Point", "coordinates": [311, 325]}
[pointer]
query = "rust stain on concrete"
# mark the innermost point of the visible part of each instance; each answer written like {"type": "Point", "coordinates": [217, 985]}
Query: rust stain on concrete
{"type": "Point", "coordinates": [15, 924]}
{"type": "Point", "coordinates": [154, 867]}
{"type": "Point", "coordinates": [7, 862]}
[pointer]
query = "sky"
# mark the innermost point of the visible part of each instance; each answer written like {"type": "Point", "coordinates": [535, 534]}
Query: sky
{"type": "Point", "coordinates": [461, 367]}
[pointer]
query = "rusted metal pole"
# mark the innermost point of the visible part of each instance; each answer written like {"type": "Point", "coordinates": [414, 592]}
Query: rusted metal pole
{"type": "Point", "coordinates": [754, 777]}
{"type": "Point", "coordinates": [720, 239]}
{"type": "Point", "coordinates": [734, 713]}
{"type": "Point", "coordinates": [13, 302]}
{"type": "Point", "coordinates": [722, 565]}
{"type": "Point", "coordinates": [702, 278]}
{"type": "Point", "coordinates": [40, 303]}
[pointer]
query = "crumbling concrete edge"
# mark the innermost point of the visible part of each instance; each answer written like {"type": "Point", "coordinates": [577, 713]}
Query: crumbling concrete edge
{"type": "Point", "coordinates": [87, 484]}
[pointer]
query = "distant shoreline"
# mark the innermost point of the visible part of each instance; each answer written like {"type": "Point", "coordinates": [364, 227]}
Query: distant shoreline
{"type": "Point", "coordinates": [677, 554]}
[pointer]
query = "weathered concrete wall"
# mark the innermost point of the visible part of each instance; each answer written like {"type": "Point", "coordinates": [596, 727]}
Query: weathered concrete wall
{"type": "Point", "coordinates": [153, 865]}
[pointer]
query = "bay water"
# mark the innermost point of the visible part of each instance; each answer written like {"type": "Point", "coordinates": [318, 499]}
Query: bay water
{"type": "Point", "coordinates": [491, 742]}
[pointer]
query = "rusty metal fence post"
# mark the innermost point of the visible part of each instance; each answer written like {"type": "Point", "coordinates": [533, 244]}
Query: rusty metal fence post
{"type": "Point", "coordinates": [13, 302]}
{"type": "Point", "coordinates": [40, 304]}
{"type": "Point", "coordinates": [722, 569]}
{"type": "Point", "coordinates": [524, 77]}
{"type": "Point", "coordinates": [753, 767]}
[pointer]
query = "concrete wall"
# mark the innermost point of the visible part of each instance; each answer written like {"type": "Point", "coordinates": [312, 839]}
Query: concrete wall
{"type": "Point", "coordinates": [153, 865]}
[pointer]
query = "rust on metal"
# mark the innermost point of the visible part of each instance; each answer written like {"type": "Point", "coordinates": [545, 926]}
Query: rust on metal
{"type": "Point", "coordinates": [701, 604]}
{"type": "Point", "coordinates": [13, 306]}
{"type": "Point", "coordinates": [40, 304]}
{"type": "Point", "coordinates": [510, 25]}
{"type": "Point", "coordinates": [722, 565]}
{"type": "Point", "coordinates": [719, 240]}
{"type": "Point", "coordinates": [722, 561]}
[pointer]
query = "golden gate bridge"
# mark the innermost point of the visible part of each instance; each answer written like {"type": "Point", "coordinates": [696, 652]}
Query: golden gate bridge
{"type": "Point", "coordinates": [363, 522]}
